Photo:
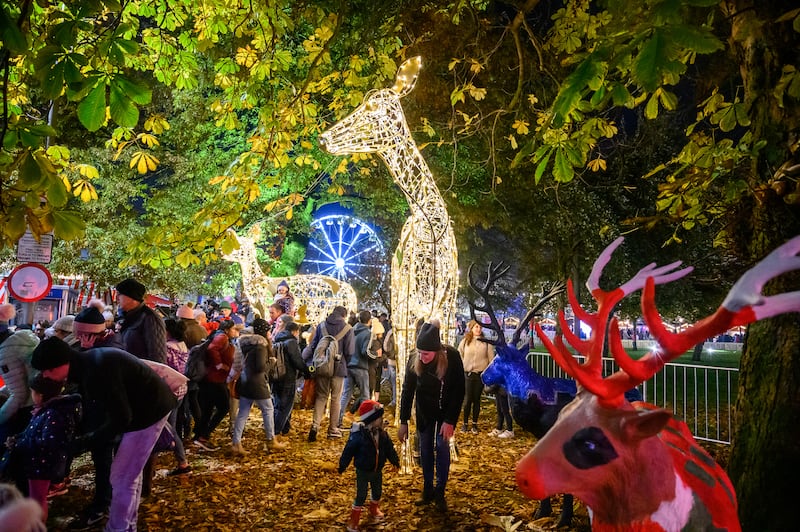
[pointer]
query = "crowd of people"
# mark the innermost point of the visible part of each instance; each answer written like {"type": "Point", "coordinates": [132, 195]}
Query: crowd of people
{"type": "Point", "coordinates": [122, 385]}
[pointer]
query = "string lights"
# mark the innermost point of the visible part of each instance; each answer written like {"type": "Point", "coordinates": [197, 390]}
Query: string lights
{"type": "Point", "coordinates": [425, 263]}
{"type": "Point", "coordinates": [314, 295]}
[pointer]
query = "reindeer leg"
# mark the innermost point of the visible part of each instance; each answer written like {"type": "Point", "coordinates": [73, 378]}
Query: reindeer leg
{"type": "Point", "coordinates": [566, 512]}
{"type": "Point", "coordinates": [545, 509]}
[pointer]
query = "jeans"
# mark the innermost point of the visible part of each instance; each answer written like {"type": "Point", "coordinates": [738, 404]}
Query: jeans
{"type": "Point", "coordinates": [283, 395]}
{"type": "Point", "coordinates": [434, 450]}
{"type": "Point", "coordinates": [267, 415]}
{"type": "Point", "coordinates": [126, 476]}
{"type": "Point", "coordinates": [180, 452]}
{"type": "Point", "coordinates": [214, 405]}
{"type": "Point", "coordinates": [355, 377]}
{"type": "Point", "coordinates": [391, 376]}
{"type": "Point", "coordinates": [503, 410]}
{"type": "Point", "coordinates": [327, 387]}
{"type": "Point", "coordinates": [364, 480]}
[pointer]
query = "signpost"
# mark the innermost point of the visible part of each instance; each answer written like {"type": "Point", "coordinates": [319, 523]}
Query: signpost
{"type": "Point", "coordinates": [29, 250]}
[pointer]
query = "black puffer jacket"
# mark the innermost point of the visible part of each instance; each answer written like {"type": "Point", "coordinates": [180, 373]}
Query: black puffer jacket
{"type": "Point", "coordinates": [253, 383]}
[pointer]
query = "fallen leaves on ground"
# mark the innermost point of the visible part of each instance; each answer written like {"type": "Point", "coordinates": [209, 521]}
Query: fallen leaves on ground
{"type": "Point", "coordinates": [299, 488]}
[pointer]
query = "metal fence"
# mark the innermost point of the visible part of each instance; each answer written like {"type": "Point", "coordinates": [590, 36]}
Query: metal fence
{"type": "Point", "coordinates": [702, 396]}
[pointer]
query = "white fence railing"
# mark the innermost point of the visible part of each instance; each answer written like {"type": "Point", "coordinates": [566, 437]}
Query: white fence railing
{"type": "Point", "coordinates": [702, 396]}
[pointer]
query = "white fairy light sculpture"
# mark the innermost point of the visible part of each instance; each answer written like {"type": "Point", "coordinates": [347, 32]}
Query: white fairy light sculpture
{"type": "Point", "coordinates": [425, 263]}
{"type": "Point", "coordinates": [316, 295]}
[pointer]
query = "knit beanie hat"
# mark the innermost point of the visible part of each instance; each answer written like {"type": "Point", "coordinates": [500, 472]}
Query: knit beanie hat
{"type": "Point", "coordinates": [90, 320]}
{"type": "Point", "coordinates": [283, 283]}
{"type": "Point", "coordinates": [64, 323]}
{"type": "Point", "coordinates": [260, 326]}
{"type": "Point", "coordinates": [49, 388]}
{"type": "Point", "coordinates": [185, 312]}
{"type": "Point", "coordinates": [428, 338]}
{"type": "Point", "coordinates": [51, 353]}
{"type": "Point", "coordinates": [133, 289]}
{"type": "Point", "coordinates": [369, 411]}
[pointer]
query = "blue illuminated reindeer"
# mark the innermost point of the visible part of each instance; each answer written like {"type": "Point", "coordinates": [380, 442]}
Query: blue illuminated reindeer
{"type": "Point", "coordinates": [535, 400]}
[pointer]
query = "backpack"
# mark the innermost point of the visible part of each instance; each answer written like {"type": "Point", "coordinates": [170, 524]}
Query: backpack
{"type": "Point", "coordinates": [373, 348]}
{"type": "Point", "coordinates": [327, 352]}
{"type": "Point", "coordinates": [278, 370]}
{"type": "Point", "coordinates": [196, 369]}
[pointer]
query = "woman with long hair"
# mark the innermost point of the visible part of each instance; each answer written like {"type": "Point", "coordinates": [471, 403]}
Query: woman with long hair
{"type": "Point", "coordinates": [477, 356]}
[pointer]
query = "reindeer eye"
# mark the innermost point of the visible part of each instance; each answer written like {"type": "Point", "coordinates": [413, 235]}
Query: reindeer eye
{"type": "Point", "coordinates": [589, 448]}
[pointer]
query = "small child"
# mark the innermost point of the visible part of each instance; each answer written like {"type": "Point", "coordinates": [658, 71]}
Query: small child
{"type": "Point", "coordinates": [369, 446]}
{"type": "Point", "coordinates": [43, 447]}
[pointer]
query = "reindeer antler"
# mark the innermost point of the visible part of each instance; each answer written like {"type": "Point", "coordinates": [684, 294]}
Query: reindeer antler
{"type": "Point", "coordinates": [744, 304]}
{"type": "Point", "coordinates": [493, 273]}
{"type": "Point", "coordinates": [548, 293]}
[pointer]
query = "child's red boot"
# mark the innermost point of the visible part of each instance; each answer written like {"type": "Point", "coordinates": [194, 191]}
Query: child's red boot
{"type": "Point", "coordinates": [355, 517]}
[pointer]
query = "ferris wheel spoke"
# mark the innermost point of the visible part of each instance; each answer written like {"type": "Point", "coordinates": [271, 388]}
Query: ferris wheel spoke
{"type": "Point", "coordinates": [324, 253]}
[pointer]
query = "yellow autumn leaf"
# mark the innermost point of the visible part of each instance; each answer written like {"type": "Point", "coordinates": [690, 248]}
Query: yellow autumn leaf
{"type": "Point", "coordinates": [477, 93]}
{"type": "Point", "coordinates": [453, 63]}
{"type": "Point", "coordinates": [87, 170]}
{"type": "Point", "coordinates": [597, 164]}
{"type": "Point", "coordinates": [157, 124]}
{"type": "Point", "coordinates": [513, 141]}
{"type": "Point", "coordinates": [521, 127]}
{"type": "Point", "coordinates": [474, 66]}
{"type": "Point", "coordinates": [148, 140]}
{"type": "Point", "coordinates": [289, 213]}
{"type": "Point", "coordinates": [532, 99]}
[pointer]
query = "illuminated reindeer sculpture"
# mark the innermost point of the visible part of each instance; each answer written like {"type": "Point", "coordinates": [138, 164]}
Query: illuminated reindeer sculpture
{"type": "Point", "coordinates": [635, 466]}
{"type": "Point", "coordinates": [535, 400]}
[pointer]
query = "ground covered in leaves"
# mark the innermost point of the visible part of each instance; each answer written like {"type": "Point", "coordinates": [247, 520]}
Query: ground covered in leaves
{"type": "Point", "coordinates": [299, 488]}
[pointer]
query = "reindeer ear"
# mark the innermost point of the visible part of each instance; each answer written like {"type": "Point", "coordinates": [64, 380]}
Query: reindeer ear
{"type": "Point", "coordinates": [639, 425]}
{"type": "Point", "coordinates": [407, 76]}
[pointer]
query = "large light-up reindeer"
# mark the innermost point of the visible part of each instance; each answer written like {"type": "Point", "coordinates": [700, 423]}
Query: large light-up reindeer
{"type": "Point", "coordinates": [535, 400]}
{"type": "Point", "coordinates": [425, 264]}
{"type": "Point", "coordinates": [635, 466]}
{"type": "Point", "coordinates": [314, 295]}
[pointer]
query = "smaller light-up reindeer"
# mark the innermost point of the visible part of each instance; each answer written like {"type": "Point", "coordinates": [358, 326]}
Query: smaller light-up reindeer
{"type": "Point", "coordinates": [535, 400]}
{"type": "Point", "coordinates": [635, 466]}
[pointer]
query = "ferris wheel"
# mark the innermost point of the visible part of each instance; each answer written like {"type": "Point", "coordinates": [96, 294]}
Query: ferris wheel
{"type": "Point", "coordinates": [344, 247]}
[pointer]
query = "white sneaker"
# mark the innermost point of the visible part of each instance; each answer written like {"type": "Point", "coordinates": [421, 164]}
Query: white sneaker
{"type": "Point", "coordinates": [506, 434]}
{"type": "Point", "coordinates": [495, 432]}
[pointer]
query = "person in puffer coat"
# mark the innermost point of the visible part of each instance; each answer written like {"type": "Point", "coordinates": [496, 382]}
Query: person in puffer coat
{"type": "Point", "coordinates": [253, 386]}
{"type": "Point", "coordinates": [369, 446]}
{"type": "Point", "coordinates": [15, 368]}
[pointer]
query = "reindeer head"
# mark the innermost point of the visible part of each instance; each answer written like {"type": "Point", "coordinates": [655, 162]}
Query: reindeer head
{"type": "Point", "coordinates": [617, 458]}
{"type": "Point", "coordinates": [378, 123]}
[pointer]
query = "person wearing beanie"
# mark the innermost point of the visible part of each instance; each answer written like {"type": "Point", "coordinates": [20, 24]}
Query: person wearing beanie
{"type": "Point", "coordinates": [142, 330]}
{"type": "Point", "coordinates": [284, 298]}
{"type": "Point", "coordinates": [226, 313]}
{"type": "Point", "coordinates": [135, 403]}
{"type": "Point", "coordinates": [62, 328]}
{"type": "Point", "coordinates": [435, 383]}
{"type": "Point", "coordinates": [331, 387]}
{"type": "Point", "coordinates": [15, 369]}
{"type": "Point", "coordinates": [369, 447]}
{"type": "Point", "coordinates": [194, 333]}
{"type": "Point", "coordinates": [283, 390]}
{"type": "Point", "coordinates": [89, 328]}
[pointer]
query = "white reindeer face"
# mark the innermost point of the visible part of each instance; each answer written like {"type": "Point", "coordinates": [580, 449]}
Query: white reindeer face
{"type": "Point", "coordinates": [375, 126]}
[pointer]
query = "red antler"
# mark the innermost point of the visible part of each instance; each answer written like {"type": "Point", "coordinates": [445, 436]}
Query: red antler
{"type": "Point", "coordinates": [744, 304]}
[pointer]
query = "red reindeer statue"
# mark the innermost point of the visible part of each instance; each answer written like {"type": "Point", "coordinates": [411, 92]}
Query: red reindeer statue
{"type": "Point", "coordinates": [635, 466]}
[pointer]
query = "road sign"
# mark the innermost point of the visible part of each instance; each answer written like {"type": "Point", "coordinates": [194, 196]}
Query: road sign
{"type": "Point", "coordinates": [29, 250]}
{"type": "Point", "coordinates": [29, 282]}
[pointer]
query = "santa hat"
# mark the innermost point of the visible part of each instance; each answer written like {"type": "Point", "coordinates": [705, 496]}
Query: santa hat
{"type": "Point", "coordinates": [369, 411]}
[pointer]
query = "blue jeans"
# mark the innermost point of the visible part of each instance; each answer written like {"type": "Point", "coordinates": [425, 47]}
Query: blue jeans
{"type": "Point", "coordinates": [433, 449]}
{"type": "Point", "coordinates": [126, 476]}
{"type": "Point", "coordinates": [355, 377]}
{"type": "Point", "coordinates": [267, 415]}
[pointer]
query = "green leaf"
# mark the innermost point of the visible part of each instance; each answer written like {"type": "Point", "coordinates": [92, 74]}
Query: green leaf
{"type": "Point", "coordinates": [15, 225]}
{"type": "Point", "coordinates": [12, 37]}
{"type": "Point", "coordinates": [139, 93]}
{"type": "Point", "coordinates": [57, 194]}
{"type": "Point", "coordinates": [562, 170]}
{"type": "Point", "coordinates": [728, 118]}
{"type": "Point", "coordinates": [646, 69]}
{"type": "Point", "coordinates": [123, 110]}
{"type": "Point", "coordinates": [572, 89]}
{"type": "Point", "coordinates": [668, 100]}
{"type": "Point", "coordinates": [92, 109]}
{"type": "Point", "coordinates": [699, 40]}
{"type": "Point", "coordinates": [620, 96]}
{"type": "Point", "coordinates": [651, 109]}
{"type": "Point", "coordinates": [68, 224]}
{"type": "Point", "coordinates": [30, 174]}
{"type": "Point", "coordinates": [541, 167]}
